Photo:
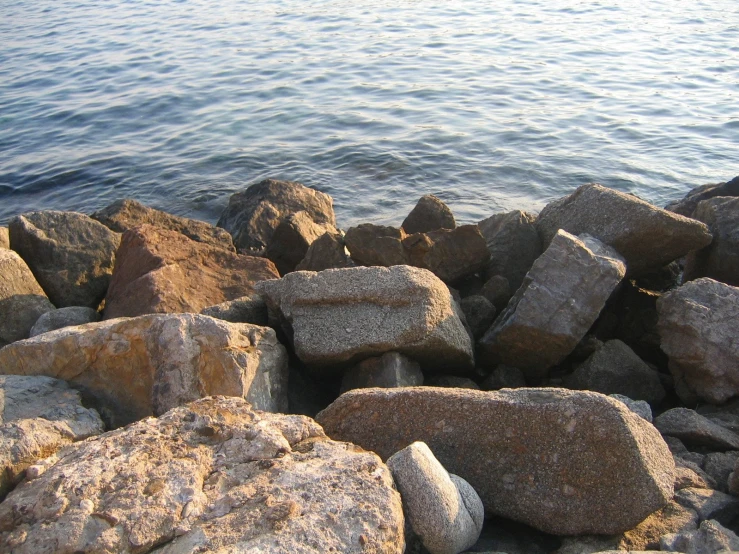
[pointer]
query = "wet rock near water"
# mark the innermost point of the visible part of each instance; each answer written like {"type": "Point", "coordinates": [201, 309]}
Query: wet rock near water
{"type": "Point", "coordinates": [429, 214]}
{"type": "Point", "coordinates": [63, 317]}
{"type": "Point", "coordinates": [686, 206]}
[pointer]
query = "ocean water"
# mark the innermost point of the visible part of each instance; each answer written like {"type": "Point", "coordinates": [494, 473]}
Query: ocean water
{"type": "Point", "coordinates": [491, 106]}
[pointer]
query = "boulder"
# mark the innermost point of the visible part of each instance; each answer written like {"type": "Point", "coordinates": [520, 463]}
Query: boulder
{"type": "Point", "coordinates": [212, 476]}
{"type": "Point", "coordinates": [444, 510]}
{"type": "Point", "coordinates": [514, 245]}
{"type": "Point", "coordinates": [639, 407]}
{"type": "Point", "coordinates": [38, 416]}
{"type": "Point", "coordinates": [376, 245]}
{"type": "Point", "coordinates": [429, 214]}
{"type": "Point", "coordinates": [646, 236]}
{"type": "Point", "coordinates": [292, 238]}
{"type": "Point", "coordinates": [498, 291]}
{"type": "Point", "coordinates": [326, 252]}
{"type": "Point", "coordinates": [697, 326]}
{"type": "Point", "coordinates": [63, 317]}
{"type": "Point", "coordinates": [22, 300]}
{"type": "Point", "coordinates": [387, 371]}
{"type": "Point", "coordinates": [70, 254]}
{"type": "Point", "coordinates": [720, 259]}
{"type": "Point", "coordinates": [694, 429]}
{"type": "Point", "coordinates": [161, 271]}
{"type": "Point", "coordinates": [253, 214]}
{"type": "Point", "coordinates": [687, 477]}
{"type": "Point", "coordinates": [687, 205]}
{"type": "Point", "coordinates": [247, 309]}
{"type": "Point", "coordinates": [339, 317]}
{"type": "Point", "coordinates": [564, 462]}
{"type": "Point", "coordinates": [615, 369]}
{"type": "Point", "coordinates": [4, 238]}
{"type": "Point", "coordinates": [709, 504]}
{"type": "Point", "coordinates": [710, 538]}
{"type": "Point", "coordinates": [479, 314]}
{"type": "Point", "coordinates": [557, 303]}
{"type": "Point", "coordinates": [126, 214]}
{"type": "Point", "coordinates": [719, 466]}
{"type": "Point", "coordinates": [133, 368]}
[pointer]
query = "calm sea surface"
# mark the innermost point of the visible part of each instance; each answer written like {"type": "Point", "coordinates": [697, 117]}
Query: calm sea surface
{"type": "Point", "coordinates": [490, 105]}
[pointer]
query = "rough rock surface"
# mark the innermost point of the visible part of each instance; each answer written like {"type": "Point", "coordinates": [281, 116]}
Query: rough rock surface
{"type": "Point", "coordinates": [646, 236]}
{"type": "Point", "coordinates": [253, 214]}
{"type": "Point", "coordinates": [38, 416]}
{"type": "Point", "coordinates": [326, 252]}
{"type": "Point", "coordinates": [212, 476]}
{"type": "Point", "coordinates": [161, 271]}
{"type": "Point", "coordinates": [697, 325]}
{"type": "Point", "coordinates": [4, 238]}
{"type": "Point", "coordinates": [380, 245]}
{"type": "Point", "coordinates": [63, 317]}
{"type": "Point", "coordinates": [639, 407]}
{"type": "Point", "coordinates": [387, 371]}
{"type": "Point", "coordinates": [694, 429]}
{"type": "Point", "coordinates": [444, 510]}
{"type": "Point", "coordinates": [292, 238]}
{"type": "Point", "coordinates": [555, 306]}
{"type": "Point", "coordinates": [720, 259]}
{"type": "Point", "coordinates": [710, 538]}
{"type": "Point", "coordinates": [70, 254]}
{"type": "Point", "coordinates": [429, 214]}
{"type": "Point", "coordinates": [22, 300]}
{"type": "Point", "coordinates": [709, 504]}
{"type": "Point", "coordinates": [514, 245]}
{"type": "Point", "coordinates": [126, 214]}
{"type": "Point", "coordinates": [247, 309]}
{"type": "Point", "coordinates": [687, 205]}
{"type": "Point", "coordinates": [147, 365]}
{"type": "Point", "coordinates": [720, 465]}
{"type": "Point", "coordinates": [479, 314]}
{"type": "Point", "coordinates": [338, 317]}
{"type": "Point", "coordinates": [564, 462]}
{"type": "Point", "coordinates": [615, 369]}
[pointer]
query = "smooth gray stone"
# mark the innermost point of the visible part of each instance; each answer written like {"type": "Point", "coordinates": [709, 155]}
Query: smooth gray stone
{"type": "Point", "coordinates": [64, 317]}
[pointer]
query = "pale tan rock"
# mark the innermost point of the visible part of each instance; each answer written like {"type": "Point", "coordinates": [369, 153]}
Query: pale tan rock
{"type": "Point", "coordinates": [4, 238]}
{"type": "Point", "coordinates": [212, 476]}
{"type": "Point", "coordinates": [147, 365]}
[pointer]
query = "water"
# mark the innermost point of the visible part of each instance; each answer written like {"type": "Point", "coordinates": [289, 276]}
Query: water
{"type": "Point", "coordinates": [490, 105]}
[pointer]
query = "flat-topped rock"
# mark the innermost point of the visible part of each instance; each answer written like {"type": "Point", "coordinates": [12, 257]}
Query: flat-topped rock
{"type": "Point", "coordinates": [562, 461]}
{"type": "Point", "coordinates": [143, 366]}
{"type": "Point", "coordinates": [429, 214]}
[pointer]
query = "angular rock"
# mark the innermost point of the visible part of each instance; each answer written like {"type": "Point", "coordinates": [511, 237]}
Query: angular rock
{"type": "Point", "coordinates": [687, 205]}
{"type": "Point", "coordinates": [376, 245]}
{"type": "Point", "coordinates": [709, 504]}
{"type": "Point", "coordinates": [212, 476]}
{"type": "Point", "coordinates": [4, 238]}
{"type": "Point", "coordinates": [555, 306]}
{"type": "Point", "coordinates": [292, 238]}
{"type": "Point", "coordinates": [646, 236]}
{"type": "Point", "coordinates": [498, 291]}
{"type": "Point", "coordinates": [161, 271]}
{"type": "Point", "coordinates": [504, 377]}
{"type": "Point", "coordinates": [38, 416]}
{"type": "Point", "coordinates": [697, 325]}
{"type": "Point", "coordinates": [720, 259]}
{"type": "Point", "coordinates": [719, 466]}
{"type": "Point", "coordinates": [70, 254]}
{"type": "Point", "coordinates": [133, 368]}
{"type": "Point", "coordinates": [22, 300]}
{"type": "Point", "coordinates": [695, 429]}
{"type": "Point", "coordinates": [253, 214]}
{"type": "Point", "coordinates": [429, 214]}
{"type": "Point", "coordinates": [387, 371]}
{"type": "Point", "coordinates": [64, 317]}
{"type": "Point", "coordinates": [710, 538]}
{"type": "Point", "coordinates": [247, 309]}
{"type": "Point", "coordinates": [338, 317]}
{"type": "Point", "coordinates": [514, 245]}
{"type": "Point", "coordinates": [446, 513]}
{"type": "Point", "coordinates": [126, 214]}
{"type": "Point", "coordinates": [686, 477]}
{"type": "Point", "coordinates": [479, 314]}
{"type": "Point", "coordinates": [639, 407]}
{"type": "Point", "coordinates": [615, 369]}
{"type": "Point", "coordinates": [326, 252]}
{"type": "Point", "coordinates": [539, 456]}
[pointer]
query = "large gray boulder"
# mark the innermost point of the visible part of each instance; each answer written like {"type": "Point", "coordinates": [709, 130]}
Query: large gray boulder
{"type": "Point", "coordinates": [720, 259]}
{"type": "Point", "coordinates": [70, 254]}
{"type": "Point", "coordinates": [38, 416]}
{"type": "Point", "coordinates": [22, 300]}
{"type": "Point", "coordinates": [565, 462]}
{"type": "Point", "coordinates": [557, 303]}
{"type": "Point", "coordinates": [697, 325]}
{"type": "Point", "coordinates": [213, 476]}
{"type": "Point", "coordinates": [646, 236]}
{"type": "Point", "coordinates": [292, 239]}
{"type": "Point", "coordinates": [338, 317]}
{"type": "Point", "coordinates": [63, 317]}
{"type": "Point", "coordinates": [429, 214]}
{"type": "Point", "coordinates": [137, 367]}
{"type": "Point", "coordinates": [253, 214]}
{"type": "Point", "coordinates": [686, 206]}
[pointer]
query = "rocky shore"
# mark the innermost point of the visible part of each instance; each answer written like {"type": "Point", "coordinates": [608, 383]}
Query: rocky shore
{"type": "Point", "coordinates": [562, 382]}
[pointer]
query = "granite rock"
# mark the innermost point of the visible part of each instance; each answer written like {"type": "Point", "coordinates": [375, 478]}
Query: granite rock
{"type": "Point", "coordinates": [326, 252]}
{"type": "Point", "coordinates": [479, 314]}
{"type": "Point", "coordinates": [639, 407]}
{"type": "Point", "coordinates": [710, 538]}
{"type": "Point", "coordinates": [247, 309]}
{"type": "Point", "coordinates": [387, 371]}
{"type": "Point", "coordinates": [498, 291]}
{"type": "Point", "coordinates": [429, 214]}
{"type": "Point", "coordinates": [694, 429]}
{"type": "Point", "coordinates": [686, 206]}
{"type": "Point", "coordinates": [292, 238]}
{"type": "Point", "coordinates": [709, 504]}
{"type": "Point", "coordinates": [4, 238]}
{"type": "Point", "coordinates": [720, 465]}
{"type": "Point", "coordinates": [63, 317]}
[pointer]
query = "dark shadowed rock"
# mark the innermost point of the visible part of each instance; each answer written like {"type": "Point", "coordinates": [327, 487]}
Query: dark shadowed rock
{"type": "Point", "coordinates": [564, 462]}
{"type": "Point", "coordinates": [646, 236]}
{"type": "Point", "coordinates": [709, 504]}
{"type": "Point", "coordinates": [452, 381]}
{"type": "Point", "coordinates": [376, 245]}
{"type": "Point", "coordinates": [695, 429]}
{"type": "Point", "coordinates": [720, 259]}
{"type": "Point", "coordinates": [326, 252]}
{"type": "Point", "coordinates": [387, 371]}
{"type": "Point", "coordinates": [479, 313]}
{"type": "Point", "coordinates": [429, 214]}
{"type": "Point", "coordinates": [504, 377]}
{"type": "Point", "coordinates": [292, 238]}
{"type": "Point", "coordinates": [212, 476]}
{"type": "Point", "coordinates": [63, 317]}
{"type": "Point", "coordinates": [161, 271]}
{"type": "Point", "coordinates": [514, 244]}
{"type": "Point", "coordinates": [497, 291]}
{"type": "Point", "coordinates": [253, 214]}
{"type": "Point", "coordinates": [555, 306]}
{"type": "Point", "coordinates": [338, 317]}
{"type": "Point", "coordinates": [719, 466]}
{"type": "Point", "coordinates": [70, 254]}
{"type": "Point", "coordinates": [687, 205]}
{"type": "Point", "coordinates": [4, 238]}
{"type": "Point", "coordinates": [247, 309]}
{"type": "Point", "coordinates": [697, 325]}
{"type": "Point", "coordinates": [126, 214]}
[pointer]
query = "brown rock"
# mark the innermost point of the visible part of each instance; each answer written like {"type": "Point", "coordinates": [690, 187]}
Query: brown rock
{"type": "Point", "coordinates": [673, 518]}
{"type": "Point", "coordinates": [326, 252]}
{"type": "Point", "coordinates": [247, 309]}
{"type": "Point", "coordinates": [376, 245]}
{"type": "Point", "coordinates": [161, 271]}
{"type": "Point", "coordinates": [292, 238]}
{"type": "Point", "coordinates": [429, 214]}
